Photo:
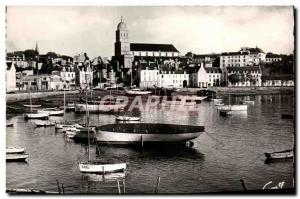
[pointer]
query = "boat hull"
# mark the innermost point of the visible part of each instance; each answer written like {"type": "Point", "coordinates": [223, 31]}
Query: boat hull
{"type": "Point", "coordinates": [101, 168]}
{"type": "Point", "coordinates": [135, 93]}
{"type": "Point", "coordinates": [98, 108]}
{"type": "Point", "coordinates": [16, 157]}
{"type": "Point", "coordinates": [52, 112]}
{"type": "Point", "coordinates": [15, 150]}
{"type": "Point", "coordinates": [126, 118]}
{"type": "Point", "coordinates": [44, 116]}
{"type": "Point", "coordinates": [233, 108]}
{"type": "Point", "coordinates": [280, 155]}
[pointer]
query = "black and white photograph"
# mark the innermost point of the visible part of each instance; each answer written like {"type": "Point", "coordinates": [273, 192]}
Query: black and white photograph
{"type": "Point", "coordinates": [123, 100]}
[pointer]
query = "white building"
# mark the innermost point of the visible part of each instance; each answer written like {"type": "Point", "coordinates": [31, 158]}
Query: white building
{"type": "Point", "coordinates": [68, 76]}
{"type": "Point", "coordinates": [173, 79]}
{"type": "Point", "coordinates": [84, 75]}
{"type": "Point", "coordinates": [245, 57]}
{"type": "Point", "coordinates": [10, 76]}
{"type": "Point", "coordinates": [149, 77]}
{"type": "Point", "coordinates": [204, 77]}
{"type": "Point", "coordinates": [244, 76]}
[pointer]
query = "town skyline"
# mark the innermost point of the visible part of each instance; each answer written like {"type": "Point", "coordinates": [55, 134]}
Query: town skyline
{"type": "Point", "coordinates": [98, 25]}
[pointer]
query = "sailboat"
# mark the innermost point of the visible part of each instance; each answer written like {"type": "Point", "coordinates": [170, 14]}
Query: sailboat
{"type": "Point", "coordinates": [236, 107]}
{"type": "Point", "coordinates": [98, 166]}
{"type": "Point", "coordinates": [35, 115]}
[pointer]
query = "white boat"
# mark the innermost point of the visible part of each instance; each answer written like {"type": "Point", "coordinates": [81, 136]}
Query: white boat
{"type": "Point", "coordinates": [217, 99]}
{"type": "Point", "coordinates": [127, 118]}
{"type": "Point", "coordinates": [248, 102]}
{"type": "Point", "coordinates": [191, 97]}
{"type": "Point", "coordinates": [286, 154]}
{"type": "Point", "coordinates": [51, 111]}
{"type": "Point", "coordinates": [44, 116]}
{"type": "Point", "coordinates": [99, 108]}
{"type": "Point", "coordinates": [32, 106]}
{"type": "Point", "coordinates": [33, 115]}
{"type": "Point", "coordinates": [219, 104]}
{"type": "Point", "coordinates": [242, 107]}
{"type": "Point", "coordinates": [13, 150]}
{"type": "Point", "coordinates": [101, 167]}
{"type": "Point", "coordinates": [134, 133]}
{"type": "Point", "coordinates": [137, 91]}
{"type": "Point", "coordinates": [66, 126]}
{"type": "Point", "coordinates": [16, 157]}
{"type": "Point", "coordinates": [44, 123]}
{"type": "Point", "coordinates": [95, 166]}
{"type": "Point", "coordinates": [71, 133]}
{"type": "Point", "coordinates": [9, 124]}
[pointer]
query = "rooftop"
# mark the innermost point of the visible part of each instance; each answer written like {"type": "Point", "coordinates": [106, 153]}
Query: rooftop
{"type": "Point", "coordinates": [152, 47]}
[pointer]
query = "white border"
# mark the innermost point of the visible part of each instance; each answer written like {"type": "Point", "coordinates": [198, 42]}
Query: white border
{"type": "Point", "coordinates": [3, 3]}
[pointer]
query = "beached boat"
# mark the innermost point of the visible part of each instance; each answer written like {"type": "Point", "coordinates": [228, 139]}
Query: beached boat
{"type": "Point", "coordinates": [40, 123]}
{"type": "Point", "coordinates": [134, 133]}
{"type": "Point", "coordinates": [52, 111]}
{"type": "Point", "coordinates": [9, 124]}
{"type": "Point", "coordinates": [16, 157]}
{"type": "Point", "coordinates": [286, 154]}
{"type": "Point", "coordinates": [96, 166]}
{"type": "Point", "coordinates": [99, 108]}
{"type": "Point", "coordinates": [137, 91]}
{"type": "Point", "coordinates": [127, 118]}
{"type": "Point", "coordinates": [14, 150]}
{"type": "Point", "coordinates": [242, 107]}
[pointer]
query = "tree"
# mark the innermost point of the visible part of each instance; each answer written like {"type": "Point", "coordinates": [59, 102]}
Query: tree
{"type": "Point", "coordinates": [30, 54]}
{"type": "Point", "coordinates": [234, 78]}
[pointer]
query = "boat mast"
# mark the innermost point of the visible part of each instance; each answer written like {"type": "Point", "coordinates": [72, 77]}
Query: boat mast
{"type": "Point", "coordinates": [30, 101]}
{"type": "Point", "coordinates": [88, 126]}
{"type": "Point", "coordinates": [64, 106]}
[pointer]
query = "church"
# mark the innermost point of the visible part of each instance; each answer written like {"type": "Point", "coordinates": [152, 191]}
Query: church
{"type": "Point", "coordinates": [127, 54]}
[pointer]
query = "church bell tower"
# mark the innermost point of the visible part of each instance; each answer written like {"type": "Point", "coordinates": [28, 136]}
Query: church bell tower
{"type": "Point", "coordinates": [122, 45]}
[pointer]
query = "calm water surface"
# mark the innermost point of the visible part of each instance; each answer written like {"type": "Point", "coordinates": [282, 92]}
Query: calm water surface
{"type": "Point", "coordinates": [233, 149]}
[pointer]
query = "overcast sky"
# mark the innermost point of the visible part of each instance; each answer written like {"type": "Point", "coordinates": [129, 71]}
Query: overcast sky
{"type": "Point", "coordinates": [70, 30]}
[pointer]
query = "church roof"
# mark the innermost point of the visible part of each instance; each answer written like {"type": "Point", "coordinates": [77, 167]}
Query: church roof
{"type": "Point", "coordinates": [152, 47]}
{"type": "Point", "coordinates": [122, 26]}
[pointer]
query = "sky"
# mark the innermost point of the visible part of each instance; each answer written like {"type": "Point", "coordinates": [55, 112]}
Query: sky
{"type": "Point", "coordinates": [202, 30]}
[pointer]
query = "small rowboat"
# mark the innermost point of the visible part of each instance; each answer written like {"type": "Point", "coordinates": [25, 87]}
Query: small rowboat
{"type": "Point", "coordinates": [137, 91]}
{"type": "Point", "coordinates": [16, 157]}
{"type": "Point", "coordinates": [32, 106]}
{"type": "Point", "coordinates": [9, 124]}
{"type": "Point", "coordinates": [65, 126]}
{"type": "Point", "coordinates": [44, 123]}
{"type": "Point", "coordinates": [127, 118]}
{"type": "Point", "coordinates": [286, 154]}
{"type": "Point", "coordinates": [14, 150]}
{"type": "Point", "coordinates": [101, 167]}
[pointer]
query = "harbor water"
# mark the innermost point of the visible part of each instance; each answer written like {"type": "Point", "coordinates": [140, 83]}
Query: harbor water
{"type": "Point", "coordinates": [231, 149]}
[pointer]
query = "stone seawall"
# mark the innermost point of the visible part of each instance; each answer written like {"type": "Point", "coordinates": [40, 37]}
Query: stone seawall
{"type": "Point", "coordinates": [263, 90]}
{"type": "Point", "coordinates": [14, 97]}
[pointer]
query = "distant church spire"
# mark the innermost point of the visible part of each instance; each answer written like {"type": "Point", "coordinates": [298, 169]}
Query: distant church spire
{"type": "Point", "coordinates": [36, 47]}
{"type": "Point", "coordinates": [121, 18]}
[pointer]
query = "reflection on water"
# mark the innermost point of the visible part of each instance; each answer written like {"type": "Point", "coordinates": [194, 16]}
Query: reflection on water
{"type": "Point", "coordinates": [232, 149]}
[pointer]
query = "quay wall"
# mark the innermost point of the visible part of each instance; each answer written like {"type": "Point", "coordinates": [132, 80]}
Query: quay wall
{"type": "Point", "coordinates": [14, 97]}
{"type": "Point", "coordinates": [262, 90]}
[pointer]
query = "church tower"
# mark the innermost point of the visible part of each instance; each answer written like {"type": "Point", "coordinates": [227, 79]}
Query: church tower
{"type": "Point", "coordinates": [122, 45]}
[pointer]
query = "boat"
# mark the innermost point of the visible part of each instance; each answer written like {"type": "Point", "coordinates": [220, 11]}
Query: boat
{"type": "Point", "coordinates": [248, 102]}
{"type": "Point", "coordinates": [109, 177]}
{"type": "Point", "coordinates": [242, 107]}
{"type": "Point", "coordinates": [178, 103]}
{"type": "Point", "coordinates": [135, 133]}
{"type": "Point", "coordinates": [9, 124]}
{"type": "Point", "coordinates": [209, 94]}
{"type": "Point", "coordinates": [286, 154]}
{"type": "Point", "coordinates": [52, 111]}
{"type": "Point", "coordinates": [35, 115]}
{"type": "Point", "coordinates": [137, 91]}
{"type": "Point", "coordinates": [217, 100]}
{"type": "Point", "coordinates": [99, 108]}
{"type": "Point", "coordinates": [127, 118]}
{"type": "Point", "coordinates": [32, 106]}
{"type": "Point", "coordinates": [40, 123]}
{"type": "Point", "coordinates": [96, 166]}
{"type": "Point", "coordinates": [16, 157]}
{"type": "Point", "coordinates": [225, 113]}
{"type": "Point", "coordinates": [219, 104]}
{"type": "Point", "coordinates": [71, 133]}
{"type": "Point", "coordinates": [14, 150]}
{"type": "Point", "coordinates": [191, 97]}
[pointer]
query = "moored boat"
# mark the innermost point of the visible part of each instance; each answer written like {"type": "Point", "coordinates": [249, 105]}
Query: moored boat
{"type": "Point", "coordinates": [71, 133]}
{"type": "Point", "coordinates": [52, 111]}
{"type": "Point", "coordinates": [225, 113]}
{"type": "Point", "coordinates": [9, 124]}
{"type": "Point", "coordinates": [44, 123]}
{"type": "Point", "coordinates": [32, 106]}
{"type": "Point", "coordinates": [248, 102]}
{"type": "Point", "coordinates": [134, 133]}
{"type": "Point", "coordinates": [286, 154]}
{"type": "Point", "coordinates": [43, 116]}
{"type": "Point", "coordinates": [101, 167]}
{"type": "Point", "coordinates": [16, 157]}
{"type": "Point", "coordinates": [137, 91]}
{"type": "Point", "coordinates": [242, 107]}
{"type": "Point", "coordinates": [127, 118]}
{"type": "Point", "coordinates": [99, 108]}
{"type": "Point", "coordinates": [14, 150]}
